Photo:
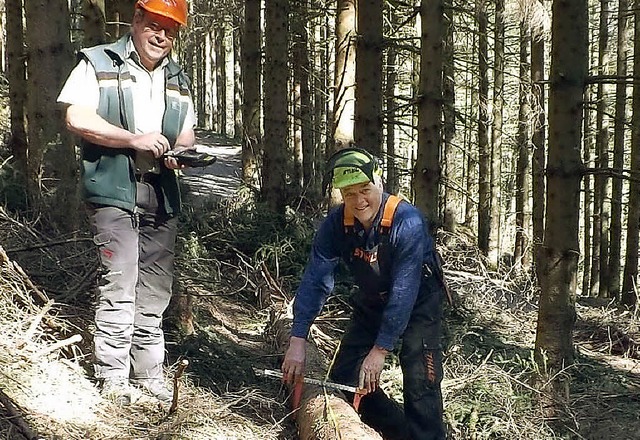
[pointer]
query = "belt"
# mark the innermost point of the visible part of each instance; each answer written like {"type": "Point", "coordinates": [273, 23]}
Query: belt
{"type": "Point", "coordinates": [152, 178]}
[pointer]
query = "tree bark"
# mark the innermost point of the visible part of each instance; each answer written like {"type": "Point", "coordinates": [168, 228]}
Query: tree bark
{"type": "Point", "coordinates": [276, 80]}
{"type": "Point", "coordinates": [427, 170]}
{"type": "Point", "coordinates": [599, 261]}
{"type": "Point", "coordinates": [559, 259]}
{"type": "Point", "coordinates": [538, 162]}
{"type": "Point", "coordinates": [393, 178]}
{"type": "Point", "coordinates": [303, 148]}
{"type": "Point", "coordinates": [629, 288]}
{"type": "Point", "coordinates": [615, 237]}
{"type": "Point", "coordinates": [589, 148]}
{"type": "Point", "coordinates": [323, 414]}
{"type": "Point", "coordinates": [237, 81]}
{"type": "Point", "coordinates": [251, 68]}
{"type": "Point", "coordinates": [220, 50]}
{"type": "Point", "coordinates": [17, 78]}
{"type": "Point", "coordinates": [448, 110]}
{"type": "Point", "coordinates": [493, 251]}
{"type": "Point", "coordinates": [345, 75]}
{"type": "Point", "coordinates": [471, 178]}
{"type": "Point", "coordinates": [520, 255]}
{"type": "Point", "coordinates": [49, 61]}
{"type": "Point", "coordinates": [119, 15]}
{"type": "Point", "coordinates": [368, 109]}
{"type": "Point", "coordinates": [93, 25]}
{"type": "Point", "coordinates": [484, 152]}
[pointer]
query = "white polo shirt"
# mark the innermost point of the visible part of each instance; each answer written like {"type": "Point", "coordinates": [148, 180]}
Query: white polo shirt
{"type": "Point", "coordinates": [81, 88]}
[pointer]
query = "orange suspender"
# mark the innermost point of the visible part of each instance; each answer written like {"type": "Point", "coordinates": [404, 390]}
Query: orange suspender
{"type": "Point", "coordinates": [387, 215]}
{"type": "Point", "coordinates": [389, 210]}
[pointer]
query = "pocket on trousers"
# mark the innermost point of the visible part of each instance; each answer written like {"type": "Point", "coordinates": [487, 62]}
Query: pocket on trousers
{"type": "Point", "coordinates": [432, 360]}
{"type": "Point", "coordinates": [102, 238]}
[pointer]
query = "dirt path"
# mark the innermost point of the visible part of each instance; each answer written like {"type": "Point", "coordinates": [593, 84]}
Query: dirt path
{"type": "Point", "coordinates": [223, 177]}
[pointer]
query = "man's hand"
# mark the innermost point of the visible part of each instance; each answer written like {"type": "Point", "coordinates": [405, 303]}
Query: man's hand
{"type": "Point", "coordinates": [293, 364]}
{"type": "Point", "coordinates": [171, 162]}
{"type": "Point", "coordinates": [371, 369]}
{"type": "Point", "coordinates": [154, 143]}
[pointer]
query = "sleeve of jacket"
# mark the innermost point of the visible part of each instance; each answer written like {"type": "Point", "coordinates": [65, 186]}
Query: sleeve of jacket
{"type": "Point", "coordinates": [409, 241]}
{"type": "Point", "coordinates": [318, 278]}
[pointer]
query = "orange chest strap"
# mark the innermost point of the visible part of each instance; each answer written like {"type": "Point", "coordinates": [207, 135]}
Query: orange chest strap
{"type": "Point", "coordinates": [388, 212]}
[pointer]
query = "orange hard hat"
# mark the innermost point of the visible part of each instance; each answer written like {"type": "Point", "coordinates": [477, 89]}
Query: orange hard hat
{"type": "Point", "coordinates": [176, 10]}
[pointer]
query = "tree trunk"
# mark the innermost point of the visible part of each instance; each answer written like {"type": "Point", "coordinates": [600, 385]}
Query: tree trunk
{"type": "Point", "coordinates": [426, 175]}
{"type": "Point", "coordinates": [220, 49]}
{"type": "Point", "coordinates": [93, 24]}
{"type": "Point", "coordinates": [238, 95]}
{"type": "Point", "coordinates": [368, 109]}
{"type": "Point", "coordinates": [493, 251]}
{"type": "Point", "coordinates": [599, 265]}
{"type": "Point", "coordinates": [119, 15]}
{"type": "Point", "coordinates": [629, 288]}
{"type": "Point", "coordinates": [393, 177]}
{"type": "Point", "coordinates": [49, 61]}
{"type": "Point", "coordinates": [448, 113]}
{"type": "Point", "coordinates": [538, 162]}
{"type": "Point", "coordinates": [559, 256]}
{"type": "Point", "coordinates": [520, 254]}
{"type": "Point", "coordinates": [17, 78]}
{"type": "Point", "coordinates": [471, 179]}
{"type": "Point", "coordinates": [303, 148]}
{"type": "Point", "coordinates": [276, 80]}
{"type": "Point", "coordinates": [589, 148]}
{"type": "Point", "coordinates": [618, 151]}
{"type": "Point", "coordinates": [323, 415]}
{"type": "Point", "coordinates": [251, 68]}
{"type": "Point", "coordinates": [321, 113]}
{"type": "Point", "coordinates": [484, 152]}
{"type": "Point", "coordinates": [345, 75]}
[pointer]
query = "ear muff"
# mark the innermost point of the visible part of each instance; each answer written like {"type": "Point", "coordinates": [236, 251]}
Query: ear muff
{"type": "Point", "coordinates": [369, 168]}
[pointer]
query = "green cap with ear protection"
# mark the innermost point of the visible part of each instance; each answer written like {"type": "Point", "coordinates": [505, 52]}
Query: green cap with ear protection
{"type": "Point", "coordinates": [350, 166]}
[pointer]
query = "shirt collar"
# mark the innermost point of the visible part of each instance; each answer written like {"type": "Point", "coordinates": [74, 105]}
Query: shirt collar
{"type": "Point", "coordinates": [132, 54]}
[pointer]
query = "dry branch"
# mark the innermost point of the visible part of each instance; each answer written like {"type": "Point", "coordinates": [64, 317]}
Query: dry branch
{"type": "Point", "coordinates": [16, 417]}
{"type": "Point", "coordinates": [53, 347]}
{"type": "Point", "coordinates": [176, 384]}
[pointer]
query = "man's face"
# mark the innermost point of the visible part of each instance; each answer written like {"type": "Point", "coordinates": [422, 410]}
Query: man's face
{"type": "Point", "coordinates": [363, 200]}
{"type": "Point", "coordinates": [153, 37]}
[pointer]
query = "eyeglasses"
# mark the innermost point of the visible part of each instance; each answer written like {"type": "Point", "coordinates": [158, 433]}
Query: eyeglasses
{"type": "Point", "coordinates": [170, 33]}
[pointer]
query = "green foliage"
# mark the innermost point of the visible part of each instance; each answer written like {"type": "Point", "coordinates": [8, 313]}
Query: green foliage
{"type": "Point", "coordinates": [241, 228]}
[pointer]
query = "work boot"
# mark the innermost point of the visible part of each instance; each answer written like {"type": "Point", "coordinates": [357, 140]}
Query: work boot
{"type": "Point", "coordinates": [117, 390]}
{"type": "Point", "coordinates": [156, 387]}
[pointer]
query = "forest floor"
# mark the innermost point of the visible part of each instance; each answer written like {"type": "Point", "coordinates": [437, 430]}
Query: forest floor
{"type": "Point", "coordinates": [47, 390]}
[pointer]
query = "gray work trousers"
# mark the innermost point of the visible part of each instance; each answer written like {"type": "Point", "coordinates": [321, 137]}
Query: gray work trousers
{"type": "Point", "coordinates": [137, 255]}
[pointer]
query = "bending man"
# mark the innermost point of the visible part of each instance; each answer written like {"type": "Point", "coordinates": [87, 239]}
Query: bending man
{"type": "Point", "coordinates": [386, 245]}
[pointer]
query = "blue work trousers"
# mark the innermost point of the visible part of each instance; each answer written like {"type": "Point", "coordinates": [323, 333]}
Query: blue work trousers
{"type": "Point", "coordinates": [420, 360]}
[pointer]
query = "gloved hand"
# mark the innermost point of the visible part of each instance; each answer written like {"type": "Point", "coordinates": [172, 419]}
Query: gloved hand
{"type": "Point", "coordinates": [192, 157]}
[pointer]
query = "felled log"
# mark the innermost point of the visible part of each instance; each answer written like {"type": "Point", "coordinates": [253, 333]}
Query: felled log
{"type": "Point", "coordinates": [323, 414]}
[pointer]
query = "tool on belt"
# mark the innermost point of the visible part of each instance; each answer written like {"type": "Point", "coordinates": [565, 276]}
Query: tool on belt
{"type": "Point", "coordinates": [297, 390]}
{"type": "Point", "coordinates": [199, 156]}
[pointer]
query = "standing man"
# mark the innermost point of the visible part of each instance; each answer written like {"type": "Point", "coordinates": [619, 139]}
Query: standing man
{"type": "Point", "coordinates": [386, 245]}
{"type": "Point", "coordinates": [130, 104]}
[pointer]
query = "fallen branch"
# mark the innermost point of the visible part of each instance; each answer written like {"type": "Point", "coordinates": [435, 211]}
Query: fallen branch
{"type": "Point", "coordinates": [16, 418]}
{"type": "Point", "coordinates": [176, 384]}
{"type": "Point", "coordinates": [49, 244]}
{"type": "Point", "coordinates": [53, 347]}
